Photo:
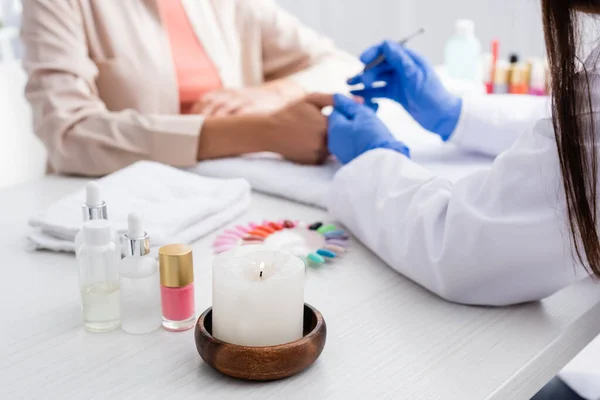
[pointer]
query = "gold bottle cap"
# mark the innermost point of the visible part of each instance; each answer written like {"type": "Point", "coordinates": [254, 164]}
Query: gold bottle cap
{"type": "Point", "coordinates": [176, 265]}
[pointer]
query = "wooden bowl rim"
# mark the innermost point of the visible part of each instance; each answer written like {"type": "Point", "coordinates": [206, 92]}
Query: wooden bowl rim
{"type": "Point", "coordinates": [303, 340]}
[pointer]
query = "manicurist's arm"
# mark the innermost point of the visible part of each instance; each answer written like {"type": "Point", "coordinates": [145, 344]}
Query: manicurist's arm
{"type": "Point", "coordinates": [485, 124]}
{"type": "Point", "coordinates": [495, 237]}
{"type": "Point", "coordinates": [491, 124]}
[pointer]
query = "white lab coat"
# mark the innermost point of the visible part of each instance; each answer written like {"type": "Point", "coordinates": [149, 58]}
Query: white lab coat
{"type": "Point", "coordinates": [498, 236]}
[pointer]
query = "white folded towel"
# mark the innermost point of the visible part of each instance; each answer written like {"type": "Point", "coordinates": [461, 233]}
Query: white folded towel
{"type": "Point", "coordinates": [175, 206]}
{"type": "Point", "coordinates": [275, 176]}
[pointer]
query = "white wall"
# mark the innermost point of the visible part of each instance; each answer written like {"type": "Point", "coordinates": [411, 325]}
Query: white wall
{"type": "Point", "coordinates": [356, 24]}
{"type": "Point", "coordinates": [22, 155]}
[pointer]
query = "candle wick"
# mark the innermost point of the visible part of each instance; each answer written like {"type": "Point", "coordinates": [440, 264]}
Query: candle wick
{"type": "Point", "coordinates": [261, 274]}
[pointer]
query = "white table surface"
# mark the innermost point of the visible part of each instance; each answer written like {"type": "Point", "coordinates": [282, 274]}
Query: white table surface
{"type": "Point", "coordinates": [387, 337]}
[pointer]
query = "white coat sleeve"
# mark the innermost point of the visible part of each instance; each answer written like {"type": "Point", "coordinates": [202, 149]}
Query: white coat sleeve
{"type": "Point", "coordinates": [491, 124]}
{"type": "Point", "coordinates": [496, 237]}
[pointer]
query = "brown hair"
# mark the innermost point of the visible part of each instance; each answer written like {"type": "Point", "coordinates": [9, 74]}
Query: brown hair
{"type": "Point", "coordinates": [574, 125]}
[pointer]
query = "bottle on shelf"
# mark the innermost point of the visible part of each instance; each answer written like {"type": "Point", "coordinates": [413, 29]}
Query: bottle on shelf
{"type": "Point", "coordinates": [462, 53]}
{"type": "Point", "coordinates": [519, 79]}
{"type": "Point", "coordinates": [537, 85]}
{"type": "Point", "coordinates": [501, 75]}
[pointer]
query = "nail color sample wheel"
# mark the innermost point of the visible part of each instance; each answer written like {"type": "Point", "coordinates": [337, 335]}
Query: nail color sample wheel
{"type": "Point", "coordinates": [316, 243]}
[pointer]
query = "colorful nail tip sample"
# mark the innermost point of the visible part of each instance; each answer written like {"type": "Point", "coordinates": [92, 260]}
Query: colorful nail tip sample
{"type": "Point", "coordinates": [327, 228]}
{"type": "Point", "coordinates": [288, 224]}
{"type": "Point", "coordinates": [242, 229]}
{"type": "Point", "coordinates": [315, 258]}
{"type": "Point", "coordinates": [258, 233]}
{"type": "Point", "coordinates": [336, 235]}
{"type": "Point", "coordinates": [276, 226]}
{"type": "Point", "coordinates": [253, 237]}
{"type": "Point", "coordinates": [220, 243]}
{"type": "Point", "coordinates": [251, 242]}
{"type": "Point", "coordinates": [334, 248]}
{"type": "Point", "coordinates": [326, 253]}
{"type": "Point", "coordinates": [265, 229]}
{"type": "Point", "coordinates": [315, 226]}
{"type": "Point", "coordinates": [222, 249]}
{"type": "Point", "coordinates": [343, 236]}
{"type": "Point", "coordinates": [235, 233]}
{"type": "Point", "coordinates": [337, 242]}
{"type": "Point", "coordinates": [229, 236]}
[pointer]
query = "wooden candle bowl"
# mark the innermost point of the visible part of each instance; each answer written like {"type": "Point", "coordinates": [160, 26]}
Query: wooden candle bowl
{"type": "Point", "coordinates": [262, 363]}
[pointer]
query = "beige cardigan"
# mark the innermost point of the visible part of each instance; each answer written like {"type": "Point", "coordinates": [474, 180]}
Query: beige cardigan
{"type": "Point", "coordinates": [102, 83]}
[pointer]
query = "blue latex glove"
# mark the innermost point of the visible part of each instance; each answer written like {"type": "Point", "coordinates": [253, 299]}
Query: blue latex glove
{"type": "Point", "coordinates": [354, 129]}
{"type": "Point", "coordinates": [410, 81]}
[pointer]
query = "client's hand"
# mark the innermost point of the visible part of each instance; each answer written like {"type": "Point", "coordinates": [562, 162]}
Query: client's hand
{"type": "Point", "coordinates": [260, 99]}
{"type": "Point", "coordinates": [300, 130]}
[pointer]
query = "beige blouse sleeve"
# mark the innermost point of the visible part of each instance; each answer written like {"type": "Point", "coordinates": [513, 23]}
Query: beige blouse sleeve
{"type": "Point", "coordinates": [291, 49]}
{"type": "Point", "coordinates": [81, 135]}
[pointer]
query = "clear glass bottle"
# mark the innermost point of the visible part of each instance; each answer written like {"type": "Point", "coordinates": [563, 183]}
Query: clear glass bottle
{"type": "Point", "coordinates": [98, 261]}
{"type": "Point", "coordinates": [139, 282]}
{"type": "Point", "coordinates": [462, 51]}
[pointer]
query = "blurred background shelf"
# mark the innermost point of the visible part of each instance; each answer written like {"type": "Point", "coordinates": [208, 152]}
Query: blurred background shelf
{"type": "Point", "coordinates": [357, 24]}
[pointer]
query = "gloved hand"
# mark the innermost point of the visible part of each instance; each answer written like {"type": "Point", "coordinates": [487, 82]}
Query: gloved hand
{"type": "Point", "coordinates": [354, 128]}
{"type": "Point", "coordinates": [412, 82]}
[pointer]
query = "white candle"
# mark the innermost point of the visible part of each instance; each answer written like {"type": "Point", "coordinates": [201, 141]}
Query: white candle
{"type": "Point", "coordinates": [258, 297]}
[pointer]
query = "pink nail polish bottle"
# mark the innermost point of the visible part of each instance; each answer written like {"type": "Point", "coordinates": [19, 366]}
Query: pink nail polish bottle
{"type": "Point", "coordinates": [177, 287]}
